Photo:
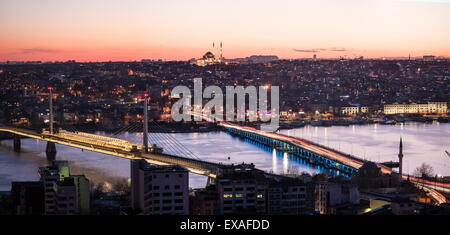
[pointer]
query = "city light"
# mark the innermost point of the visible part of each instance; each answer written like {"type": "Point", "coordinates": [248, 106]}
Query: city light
{"type": "Point", "coordinates": [236, 108]}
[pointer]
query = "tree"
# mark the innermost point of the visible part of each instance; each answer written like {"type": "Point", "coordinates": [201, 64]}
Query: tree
{"type": "Point", "coordinates": [424, 171]}
{"type": "Point", "coordinates": [122, 187]}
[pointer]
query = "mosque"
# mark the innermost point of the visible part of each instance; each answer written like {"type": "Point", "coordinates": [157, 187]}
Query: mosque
{"type": "Point", "coordinates": [210, 58]}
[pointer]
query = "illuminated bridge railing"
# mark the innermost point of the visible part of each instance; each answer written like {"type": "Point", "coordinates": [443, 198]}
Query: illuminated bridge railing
{"type": "Point", "coordinates": [103, 145]}
{"type": "Point", "coordinates": [285, 146]}
{"type": "Point", "coordinates": [213, 168]}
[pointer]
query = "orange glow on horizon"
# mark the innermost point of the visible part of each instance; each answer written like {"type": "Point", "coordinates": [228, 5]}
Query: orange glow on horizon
{"type": "Point", "coordinates": [102, 30]}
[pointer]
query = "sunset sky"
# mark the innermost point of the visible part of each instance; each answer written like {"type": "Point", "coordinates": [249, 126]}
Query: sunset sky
{"type": "Point", "coordinates": [104, 30]}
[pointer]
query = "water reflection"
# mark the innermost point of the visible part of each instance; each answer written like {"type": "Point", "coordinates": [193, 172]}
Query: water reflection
{"type": "Point", "coordinates": [274, 161]}
{"type": "Point", "coordinates": [421, 142]}
{"type": "Point", "coordinates": [285, 163]}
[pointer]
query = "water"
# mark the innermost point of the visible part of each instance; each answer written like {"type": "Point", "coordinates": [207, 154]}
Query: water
{"type": "Point", "coordinates": [421, 143]}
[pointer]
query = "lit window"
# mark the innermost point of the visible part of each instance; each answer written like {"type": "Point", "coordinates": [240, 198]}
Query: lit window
{"type": "Point", "coordinates": [228, 195]}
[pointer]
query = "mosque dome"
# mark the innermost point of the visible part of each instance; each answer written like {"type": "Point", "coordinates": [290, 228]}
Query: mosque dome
{"type": "Point", "coordinates": [370, 169]}
{"type": "Point", "coordinates": [208, 55]}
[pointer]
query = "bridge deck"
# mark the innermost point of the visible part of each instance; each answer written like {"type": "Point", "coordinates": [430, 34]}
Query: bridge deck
{"type": "Point", "coordinates": [308, 145]}
{"type": "Point", "coordinates": [333, 154]}
{"type": "Point", "coordinates": [194, 165]}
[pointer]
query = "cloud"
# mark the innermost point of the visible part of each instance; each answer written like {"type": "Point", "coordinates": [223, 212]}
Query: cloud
{"type": "Point", "coordinates": [337, 49]}
{"type": "Point", "coordinates": [306, 51]}
{"type": "Point", "coordinates": [39, 50]}
{"type": "Point", "coordinates": [269, 49]}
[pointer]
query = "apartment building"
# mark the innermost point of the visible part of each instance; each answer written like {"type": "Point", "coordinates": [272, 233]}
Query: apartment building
{"type": "Point", "coordinates": [159, 189]}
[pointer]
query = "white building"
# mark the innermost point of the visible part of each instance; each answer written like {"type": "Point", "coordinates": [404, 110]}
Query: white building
{"type": "Point", "coordinates": [430, 107]}
{"type": "Point", "coordinates": [352, 110]}
{"type": "Point", "coordinates": [159, 189]}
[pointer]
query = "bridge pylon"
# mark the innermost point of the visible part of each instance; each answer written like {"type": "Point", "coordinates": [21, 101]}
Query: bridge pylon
{"type": "Point", "coordinates": [16, 143]}
{"type": "Point", "coordinates": [50, 103]}
{"type": "Point", "coordinates": [50, 151]}
{"type": "Point", "coordinates": [145, 127]}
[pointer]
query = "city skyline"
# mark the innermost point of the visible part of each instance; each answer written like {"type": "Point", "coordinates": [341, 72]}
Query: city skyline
{"type": "Point", "coordinates": [179, 30]}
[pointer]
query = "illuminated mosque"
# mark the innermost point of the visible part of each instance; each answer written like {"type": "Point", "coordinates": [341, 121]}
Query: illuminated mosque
{"type": "Point", "coordinates": [209, 58]}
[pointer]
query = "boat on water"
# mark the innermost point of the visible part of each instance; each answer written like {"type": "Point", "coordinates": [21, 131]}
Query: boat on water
{"type": "Point", "coordinates": [389, 122]}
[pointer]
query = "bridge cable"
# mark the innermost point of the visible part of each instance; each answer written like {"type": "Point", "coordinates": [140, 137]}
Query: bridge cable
{"type": "Point", "coordinates": [176, 142]}
{"type": "Point", "coordinates": [132, 128]}
{"type": "Point", "coordinates": [135, 128]}
{"type": "Point", "coordinates": [170, 145]}
{"type": "Point", "coordinates": [122, 129]}
{"type": "Point", "coordinates": [171, 148]}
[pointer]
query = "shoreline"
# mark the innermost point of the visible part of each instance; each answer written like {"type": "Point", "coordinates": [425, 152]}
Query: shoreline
{"type": "Point", "coordinates": [173, 127]}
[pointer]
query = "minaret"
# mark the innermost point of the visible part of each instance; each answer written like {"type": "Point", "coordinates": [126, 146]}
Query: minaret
{"type": "Point", "coordinates": [221, 50]}
{"type": "Point", "coordinates": [400, 157]}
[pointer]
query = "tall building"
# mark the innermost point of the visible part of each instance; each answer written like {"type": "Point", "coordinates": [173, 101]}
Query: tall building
{"type": "Point", "coordinates": [65, 197]}
{"type": "Point", "coordinates": [159, 189]}
{"type": "Point", "coordinates": [49, 175]}
{"type": "Point", "coordinates": [64, 194]}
